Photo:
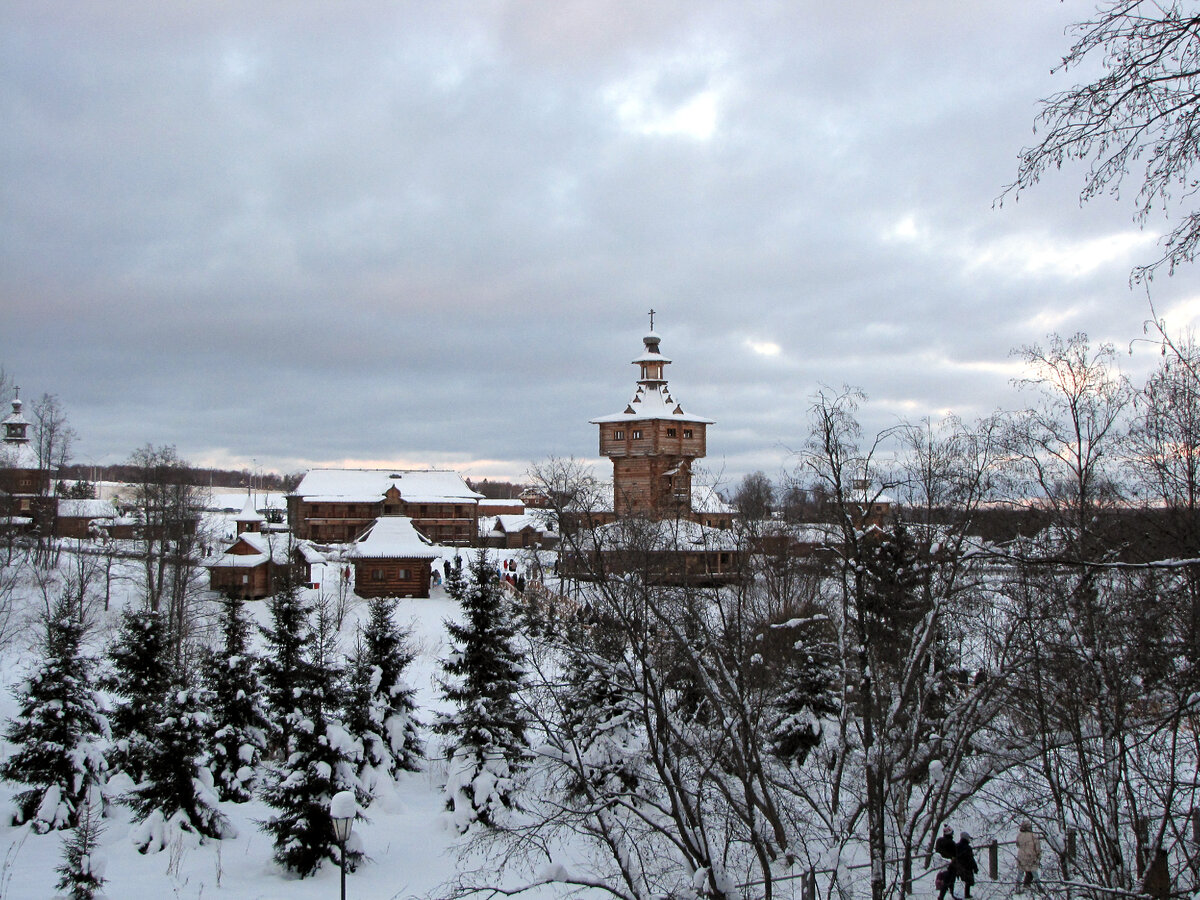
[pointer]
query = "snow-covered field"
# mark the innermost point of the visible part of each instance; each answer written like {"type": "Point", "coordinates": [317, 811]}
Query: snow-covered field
{"type": "Point", "coordinates": [410, 850]}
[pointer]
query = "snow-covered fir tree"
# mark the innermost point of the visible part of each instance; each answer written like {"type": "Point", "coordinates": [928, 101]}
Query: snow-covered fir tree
{"type": "Point", "coordinates": [285, 670]}
{"type": "Point", "coordinates": [240, 724]}
{"type": "Point", "coordinates": [81, 873]}
{"type": "Point", "coordinates": [805, 669]}
{"type": "Point", "coordinates": [596, 708]}
{"type": "Point", "coordinates": [59, 735]}
{"type": "Point", "coordinates": [381, 710]}
{"type": "Point", "coordinates": [177, 792]}
{"type": "Point", "coordinates": [485, 735]}
{"type": "Point", "coordinates": [322, 757]}
{"type": "Point", "coordinates": [138, 677]}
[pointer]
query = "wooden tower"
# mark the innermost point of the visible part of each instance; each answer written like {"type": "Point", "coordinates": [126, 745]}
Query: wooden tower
{"type": "Point", "coordinates": [652, 443]}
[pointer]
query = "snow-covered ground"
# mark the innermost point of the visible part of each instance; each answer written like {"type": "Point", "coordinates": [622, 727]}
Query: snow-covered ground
{"type": "Point", "coordinates": [410, 850]}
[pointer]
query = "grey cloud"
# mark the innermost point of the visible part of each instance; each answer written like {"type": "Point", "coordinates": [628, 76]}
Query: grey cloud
{"type": "Point", "coordinates": [426, 230]}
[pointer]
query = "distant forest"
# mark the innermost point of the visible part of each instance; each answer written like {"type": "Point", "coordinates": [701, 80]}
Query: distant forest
{"type": "Point", "coordinates": [265, 481]}
{"type": "Point", "coordinates": [222, 478]}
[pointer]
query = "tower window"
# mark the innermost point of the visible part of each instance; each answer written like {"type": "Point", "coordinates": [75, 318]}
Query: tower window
{"type": "Point", "coordinates": [670, 432]}
{"type": "Point", "coordinates": [619, 435]}
{"type": "Point", "coordinates": [687, 432]}
{"type": "Point", "coordinates": [637, 435]}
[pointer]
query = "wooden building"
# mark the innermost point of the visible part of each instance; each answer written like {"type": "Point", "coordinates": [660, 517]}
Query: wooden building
{"type": "Point", "coordinates": [81, 519]}
{"type": "Point", "coordinates": [255, 565]}
{"type": "Point", "coordinates": [25, 504]}
{"type": "Point", "coordinates": [661, 551]}
{"type": "Point", "coordinates": [657, 523]}
{"type": "Point", "coordinates": [492, 508]}
{"type": "Point", "coordinates": [337, 505]}
{"type": "Point", "coordinates": [652, 443]}
{"type": "Point", "coordinates": [392, 559]}
{"type": "Point", "coordinates": [516, 532]}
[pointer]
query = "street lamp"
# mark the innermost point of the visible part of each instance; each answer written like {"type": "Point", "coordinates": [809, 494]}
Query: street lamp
{"type": "Point", "coordinates": [342, 810]}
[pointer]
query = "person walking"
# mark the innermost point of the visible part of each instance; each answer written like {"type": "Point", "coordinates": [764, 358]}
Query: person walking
{"type": "Point", "coordinates": [1029, 856]}
{"type": "Point", "coordinates": [965, 866]}
{"type": "Point", "coordinates": [945, 847]}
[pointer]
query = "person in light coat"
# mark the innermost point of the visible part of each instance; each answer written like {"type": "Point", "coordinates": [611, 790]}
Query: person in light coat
{"type": "Point", "coordinates": [1029, 856]}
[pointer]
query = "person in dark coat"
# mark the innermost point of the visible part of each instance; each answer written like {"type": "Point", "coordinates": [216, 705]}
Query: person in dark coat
{"type": "Point", "coordinates": [945, 847]}
{"type": "Point", "coordinates": [1157, 882]}
{"type": "Point", "coordinates": [965, 866]}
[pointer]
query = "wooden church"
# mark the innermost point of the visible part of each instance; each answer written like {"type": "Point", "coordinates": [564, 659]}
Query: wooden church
{"type": "Point", "coordinates": [653, 443]}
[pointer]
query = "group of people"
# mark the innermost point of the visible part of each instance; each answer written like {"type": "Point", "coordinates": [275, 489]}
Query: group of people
{"type": "Point", "coordinates": [962, 865]}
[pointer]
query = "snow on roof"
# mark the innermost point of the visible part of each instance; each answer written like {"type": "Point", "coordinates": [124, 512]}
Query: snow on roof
{"type": "Point", "coordinates": [369, 485]}
{"type": "Point", "coordinates": [249, 513]}
{"type": "Point", "coordinates": [16, 417]}
{"type": "Point", "coordinates": [662, 535]}
{"type": "Point", "coordinates": [652, 402]}
{"type": "Point", "coordinates": [485, 505]}
{"type": "Point", "coordinates": [18, 456]}
{"type": "Point", "coordinates": [309, 553]}
{"type": "Point", "coordinates": [86, 509]}
{"type": "Point", "coordinates": [266, 548]}
{"type": "Point", "coordinates": [273, 547]}
{"type": "Point", "coordinates": [392, 537]}
{"type": "Point", "coordinates": [653, 399]}
{"type": "Point", "coordinates": [705, 499]}
{"type": "Point", "coordinates": [236, 500]}
{"type": "Point", "coordinates": [510, 524]}
{"type": "Point", "coordinates": [651, 356]}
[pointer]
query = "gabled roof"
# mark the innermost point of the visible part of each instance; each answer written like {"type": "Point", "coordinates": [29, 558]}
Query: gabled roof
{"type": "Point", "coordinates": [706, 500]}
{"type": "Point", "coordinates": [263, 548]}
{"type": "Point", "coordinates": [392, 537]}
{"type": "Point", "coordinates": [369, 486]}
{"type": "Point", "coordinates": [512, 524]}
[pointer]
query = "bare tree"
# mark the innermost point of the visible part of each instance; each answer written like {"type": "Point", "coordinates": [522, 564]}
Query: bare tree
{"type": "Point", "coordinates": [755, 497]}
{"type": "Point", "coordinates": [901, 596]}
{"type": "Point", "coordinates": [1140, 111]}
{"type": "Point", "coordinates": [1103, 640]}
{"type": "Point", "coordinates": [169, 509]}
{"type": "Point", "coordinates": [1067, 442]}
{"type": "Point", "coordinates": [53, 435]}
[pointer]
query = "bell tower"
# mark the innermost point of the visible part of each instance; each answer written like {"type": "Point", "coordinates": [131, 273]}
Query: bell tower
{"type": "Point", "coordinates": [652, 443]}
{"type": "Point", "coordinates": [16, 426]}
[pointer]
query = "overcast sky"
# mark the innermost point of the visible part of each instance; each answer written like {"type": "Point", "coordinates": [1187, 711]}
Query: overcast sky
{"type": "Point", "coordinates": [422, 234]}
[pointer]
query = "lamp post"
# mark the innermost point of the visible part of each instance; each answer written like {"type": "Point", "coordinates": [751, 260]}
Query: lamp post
{"type": "Point", "coordinates": [342, 809]}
